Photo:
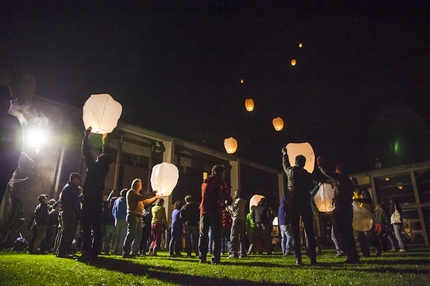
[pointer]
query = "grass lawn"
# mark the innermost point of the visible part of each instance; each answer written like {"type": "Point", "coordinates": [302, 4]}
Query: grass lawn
{"type": "Point", "coordinates": [410, 268]}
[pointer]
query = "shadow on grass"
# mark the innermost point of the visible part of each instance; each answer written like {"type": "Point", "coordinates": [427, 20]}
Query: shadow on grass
{"type": "Point", "coordinates": [167, 273]}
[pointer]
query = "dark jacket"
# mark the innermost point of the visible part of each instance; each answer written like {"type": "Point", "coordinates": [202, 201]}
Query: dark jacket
{"type": "Point", "coordinates": [97, 171]}
{"type": "Point", "coordinates": [344, 188]}
{"type": "Point", "coordinates": [70, 197]}
{"type": "Point", "coordinates": [214, 194]}
{"type": "Point", "coordinates": [190, 214]}
{"type": "Point", "coordinates": [261, 213]}
{"type": "Point", "coordinates": [299, 182]}
{"type": "Point", "coordinates": [283, 218]}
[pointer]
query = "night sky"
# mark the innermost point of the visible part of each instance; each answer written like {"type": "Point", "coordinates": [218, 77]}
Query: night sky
{"type": "Point", "coordinates": [360, 89]}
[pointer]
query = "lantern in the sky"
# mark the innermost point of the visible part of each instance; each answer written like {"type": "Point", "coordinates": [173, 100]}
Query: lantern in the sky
{"type": "Point", "coordinates": [164, 178]}
{"type": "Point", "coordinates": [324, 198]}
{"type": "Point", "coordinates": [278, 123]}
{"type": "Point", "coordinates": [230, 145]}
{"type": "Point", "coordinates": [293, 62]}
{"type": "Point", "coordinates": [305, 149]}
{"type": "Point", "coordinates": [300, 45]}
{"type": "Point", "coordinates": [242, 80]}
{"type": "Point", "coordinates": [249, 104]}
{"type": "Point", "coordinates": [255, 200]}
{"type": "Point", "coordinates": [101, 112]}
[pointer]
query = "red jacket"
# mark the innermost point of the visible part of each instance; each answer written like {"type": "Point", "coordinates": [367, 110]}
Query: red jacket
{"type": "Point", "coordinates": [214, 194]}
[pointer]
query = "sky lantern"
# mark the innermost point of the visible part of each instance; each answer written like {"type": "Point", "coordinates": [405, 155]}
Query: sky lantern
{"type": "Point", "coordinates": [324, 198]}
{"type": "Point", "coordinates": [278, 123]}
{"type": "Point", "coordinates": [255, 200]}
{"type": "Point", "coordinates": [102, 113]}
{"type": "Point", "coordinates": [300, 45]}
{"type": "Point", "coordinates": [249, 104]}
{"type": "Point", "coordinates": [230, 145]}
{"type": "Point", "coordinates": [305, 149]}
{"type": "Point", "coordinates": [242, 80]}
{"type": "Point", "coordinates": [362, 219]}
{"type": "Point", "coordinates": [293, 62]}
{"type": "Point", "coordinates": [164, 178]}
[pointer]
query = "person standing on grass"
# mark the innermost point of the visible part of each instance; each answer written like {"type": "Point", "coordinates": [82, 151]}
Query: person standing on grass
{"type": "Point", "coordinates": [342, 213]}
{"type": "Point", "coordinates": [70, 198]}
{"type": "Point", "coordinates": [215, 195]}
{"type": "Point", "coordinates": [263, 226]}
{"type": "Point", "coordinates": [158, 225]}
{"type": "Point", "coordinates": [284, 226]}
{"type": "Point", "coordinates": [254, 239]}
{"type": "Point", "coordinates": [119, 212]}
{"type": "Point", "coordinates": [41, 215]}
{"type": "Point", "coordinates": [299, 186]}
{"type": "Point", "coordinates": [397, 226]}
{"type": "Point", "coordinates": [92, 205]}
{"type": "Point", "coordinates": [135, 205]}
{"type": "Point", "coordinates": [237, 237]}
{"type": "Point", "coordinates": [190, 216]}
{"type": "Point", "coordinates": [146, 229]}
{"type": "Point", "coordinates": [175, 243]}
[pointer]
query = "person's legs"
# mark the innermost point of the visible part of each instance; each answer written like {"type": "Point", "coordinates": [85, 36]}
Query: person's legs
{"type": "Point", "coordinates": [295, 233]}
{"type": "Point", "coordinates": [234, 240]}
{"type": "Point", "coordinates": [131, 234]}
{"type": "Point", "coordinates": [203, 237]}
{"type": "Point", "coordinates": [195, 239]}
{"type": "Point", "coordinates": [283, 230]}
{"type": "Point", "coordinates": [138, 238]}
{"type": "Point", "coordinates": [216, 225]}
{"type": "Point", "coordinates": [398, 234]}
{"type": "Point", "coordinates": [307, 217]}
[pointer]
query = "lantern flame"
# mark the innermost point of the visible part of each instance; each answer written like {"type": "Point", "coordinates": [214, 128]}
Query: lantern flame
{"type": "Point", "coordinates": [278, 123]}
{"type": "Point", "coordinates": [230, 145]}
{"type": "Point", "coordinates": [249, 104]}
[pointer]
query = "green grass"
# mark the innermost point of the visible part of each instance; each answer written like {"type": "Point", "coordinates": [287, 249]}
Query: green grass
{"type": "Point", "coordinates": [411, 268]}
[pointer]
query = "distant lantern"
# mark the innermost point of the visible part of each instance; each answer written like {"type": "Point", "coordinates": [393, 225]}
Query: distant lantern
{"type": "Point", "coordinates": [164, 178]}
{"type": "Point", "coordinates": [278, 123]}
{"type": "Point", "coordinates": [230, 145]}
{"type": "Point", "coordinates": [102, 113]}
{"type": "Point", "coordinates": [293, 62]}
{"type": "Point", "coordinates": [249, 104]}
{"type": "Point", "coordinates": [300, 45]}
{"type": "Point", "coordinates": [242, 80]}
{"type": "Point", "coordinates": [305, 149]}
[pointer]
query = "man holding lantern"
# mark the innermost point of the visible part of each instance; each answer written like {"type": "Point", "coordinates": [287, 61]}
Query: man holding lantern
{"type": "Point", "coordinates": [92, 204]}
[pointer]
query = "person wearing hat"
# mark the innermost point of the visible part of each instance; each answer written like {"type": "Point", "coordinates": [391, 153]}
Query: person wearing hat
{"type": "Point", "coordinates": [70, 198]}
{"type": "Point", "coordinates": [11, 141]}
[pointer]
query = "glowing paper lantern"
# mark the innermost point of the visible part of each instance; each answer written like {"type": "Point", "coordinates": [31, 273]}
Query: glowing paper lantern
{"type": "Point", "coordinates": [255, 200]}
{"type": "Point", "coordinates": [362, 219]}
{"type": "Point", "coordinates": [101, 112]}
{"type": "Point", "coordinates": [278, 123]}
{"type": "Point", "coordinates": [305, 149]}
{"type": "Point", "coordinates": [249, 104]}
{"type": "Point", "coordinates": [324, 198]}
{"type": "Point", "coordinates": [164, 178]}
{"type": "Point", "coordinates": [230, 145]}
{"type": "Point", "coordinates": [300, 45]}
{"type": "Point", "coordinates": [275, 221]}
{"type": "Point", "coordinates": [242, 80]}
{"type": "Point", "coordinates": [293, 62]}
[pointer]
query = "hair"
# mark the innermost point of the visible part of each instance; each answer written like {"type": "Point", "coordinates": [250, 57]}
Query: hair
{"type": "Point", "coordinates": [188, 199]}
{"type": "Point", "coordinates": [134, 183]}
{"type": "Point", "coordinates": [160, 202]}
{"type": "Point", "coordinates": [300, 161]}
{"type": "Point", "coordinates": [239, 193]}
{"type": "Point", "coordinates": [178, 205]}
{"type": "Point", "coordinates": [123, 193]}
{"type": "Point", "coordinates": [218, 169]}
{"type": "Point", "coordinates": [42, 197]}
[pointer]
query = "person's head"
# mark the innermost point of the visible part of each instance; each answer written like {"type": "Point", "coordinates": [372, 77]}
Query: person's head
{"type": "Point", "coordinates": [341, 168]}
{"type": "Point", "coordinates": [6, 98]}
{"type": "Point", "coordinates": [178, 205]}
{"type": "Point", "coordinates": [43, 198]}
{"type": "Point", "coordinates": [300, 161]}
{"type": "Point", "coordinates": [218, 170]}
{"type": "Point", "coordinates": [75, 178]}
{"type": "Point", "coordinates": [238, 194]}
{"type": "Point", "coordinates": [188, 199]}
{"type": "Point", "coordinates": [123, 193]}
{"type": "Point", "coordinates": [136, 184]}
{"type": "Point", "coordinates": [160, 202]}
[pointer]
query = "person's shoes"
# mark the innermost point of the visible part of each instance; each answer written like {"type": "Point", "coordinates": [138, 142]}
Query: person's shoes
{"type": "Point", "coordinates": [86, 257]}
{"type": "Point", "coordinates": [201, 260]}
{"type": "Point", "coordinates": [393, 250]}
{"type": "Point", "coordinates": [378, 253]}
{"type": "Point", "coordinates": [127, 255]}
{"type": "Point", "coordinates": [64, 255]}
{"type": "Point", "coordinates": [215, 262]}
{"type": "Point", "coordinates": [232, 256]}
{"type": "Point", "coordinates": [339, 255]}
{"type": "Point", "coordinates": [352, 261]}
{"type": "Point", "coordinates": [402, 250]}
{"type": "Point", "coordinates": [189, 256]}
{"type": "Point", "coordinates": [178, 255]}
{"type": "Point", "coordinates": [171, 254]}
{"type": "Point", "coordinates": [313, 262]}
{"type": "Point", "coordinates": [151, 252]}
{"type": "Point", "coordinates": [243, 255]}
{"type": "Point", "coordinates": [299, 262]}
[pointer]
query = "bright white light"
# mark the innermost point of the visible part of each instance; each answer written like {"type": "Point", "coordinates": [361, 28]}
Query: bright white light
{"type": "Point", "coordinates": [35, 138]}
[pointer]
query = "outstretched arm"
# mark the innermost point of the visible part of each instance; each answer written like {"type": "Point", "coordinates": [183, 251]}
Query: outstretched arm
{"type": "Point", "coordinates": [285, 160]}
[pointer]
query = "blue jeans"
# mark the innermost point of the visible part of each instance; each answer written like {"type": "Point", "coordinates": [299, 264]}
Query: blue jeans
{"type": "Point", "coordinates": [191, 239]}
{"type": "Point", "coordinates": [213, 221]}
{"type": "Point", "coordinates": [397, 227]}
{"type": "Point", "coordinates": [134, 234]}
{"type": "Point", "coordinates": [285, 238]}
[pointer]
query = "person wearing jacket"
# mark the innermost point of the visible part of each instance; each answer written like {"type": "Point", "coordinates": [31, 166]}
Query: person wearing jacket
{"type": "Point", "coordinates": [284, 226]}
{"type": "Point", "coordinates": [299, 186]}
{"type": "Point", "coordinates": [215, 195]}
{"type": "Point", "coordinates": [119, 212]}
{"type": "Point", "coordinates": [190, 216]}
{"type": "Point", "coordinates": [237, 235]}
{"type": "Point", "coordinates": [263, 227]}
{"type": "Point", "coordinates": [397, 226]}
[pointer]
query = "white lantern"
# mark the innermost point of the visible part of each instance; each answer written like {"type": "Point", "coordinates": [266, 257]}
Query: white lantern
{"type": "Point", "coordinates": [249, 104]}
{"type": "Point", "coordinates": [164, 178]}
{"type": "Point", "coordinates": [293, 62]}
{"type": "Point", "coordinates": [102, 113]}
{"type": "Point", "coordinates": [255, 200]}
{"type": "Point", "coordinates": [278, 123]}
{"type": "Point", "coordinates": [324, 198]}
{"type": "Point", "coordinates": [362, 219]}
{"type": "Point", "coordinates": [230, 145]}
{"type": "Point", "coordinates": [275, 221]}
{"type": "Point", "coordinates": [305, 149]}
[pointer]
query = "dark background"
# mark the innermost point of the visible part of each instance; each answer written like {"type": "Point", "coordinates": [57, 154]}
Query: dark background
{"type": "Point", "coordinates": [360, 89]}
